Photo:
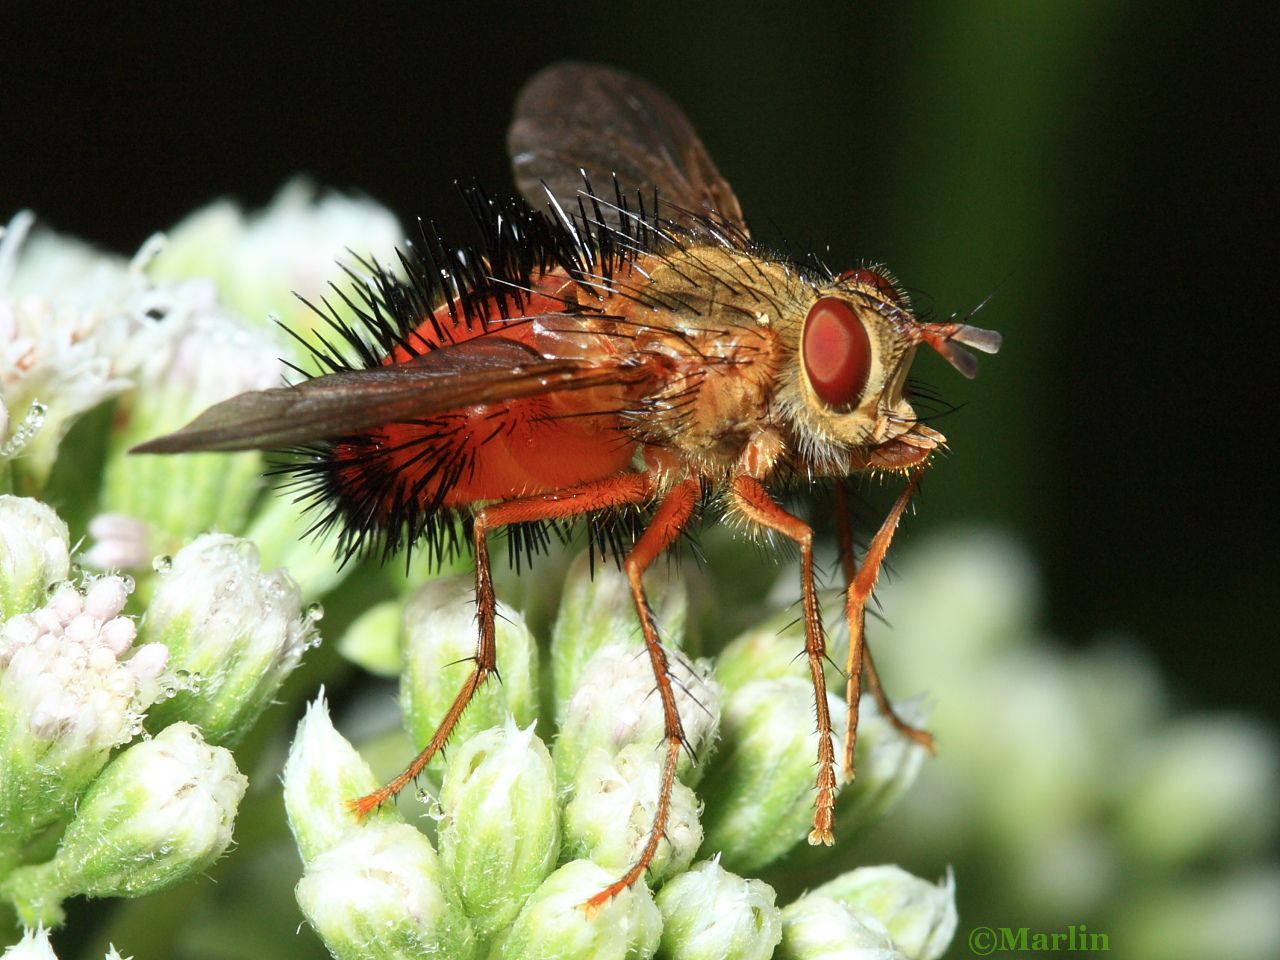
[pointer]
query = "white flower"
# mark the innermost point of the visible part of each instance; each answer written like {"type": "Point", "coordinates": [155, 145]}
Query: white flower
{"type": "Point", "coordinates": [68, 695]}
{"type": "Point", "coordinates": [34, 945]}
{"type": "Point", "coordinates": [69, 319]}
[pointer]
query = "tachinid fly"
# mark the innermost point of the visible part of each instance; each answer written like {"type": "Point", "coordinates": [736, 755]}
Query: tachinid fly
{"type": "Point", "coordinates": [615, 345]}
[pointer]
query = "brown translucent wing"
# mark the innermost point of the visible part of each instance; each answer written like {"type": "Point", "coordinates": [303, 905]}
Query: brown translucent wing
{"type": "Point", "coordinates": [487, 370]}
{"type": "Point", "coordinates": [575, 117]}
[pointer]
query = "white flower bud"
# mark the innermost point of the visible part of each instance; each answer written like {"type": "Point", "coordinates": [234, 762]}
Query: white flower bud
{"type": "Point", "coordinates": [819, 928]}
{"type": "Point", "coordinates": [323, 773]}
{"type": "Point", "coordinates": [760, 787]}
{"type": "Point", "coordinates": [919, 916]}
{"type": "Point", "coordinates": [159, 812]}
{"type": "Point", "coordinates": [33, 553]}
{"type": "Point", "coordinates": [500, 834]}
{"type": "Point", "coordinates": [596, 609]}
{"type": "Point", "coordinates": [615, 705]}
{"type": "Point", "coordinates": [554, 925]}
{"type": "Point", "coordinates": [68, 694]}
{"type": "Point", "coordinates": [712, 914]}
{"type": "Point", "coordinates": [439, 647]}
{"type": "Point", "coordinates": [377, 895]}
{"type": "Point", "coordinates": [611, 813]}
{"type": "Point", "coordinates": [34, 945]}
{"type": "Point", "coordinates": [238, 632]}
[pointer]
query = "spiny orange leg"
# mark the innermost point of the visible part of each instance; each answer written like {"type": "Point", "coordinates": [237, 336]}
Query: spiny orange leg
{"type": "Point", "coordinates": [753, 500]}
{"type": "Point", "coordinates": [861, 584]}
{"type": "Point", "coordinates": [616, 491]}
{"type": "Point", "coordinates": [671, 516]}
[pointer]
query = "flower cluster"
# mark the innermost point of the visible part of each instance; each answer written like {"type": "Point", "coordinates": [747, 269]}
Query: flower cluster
{"type": "Point", "coordinates": [90, 804]}
{"type": "Point", "coordinates": [520, 829]}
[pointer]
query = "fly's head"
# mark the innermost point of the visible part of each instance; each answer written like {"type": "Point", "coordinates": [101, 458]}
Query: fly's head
{"type": "Point", "coordinates": [847, 400]}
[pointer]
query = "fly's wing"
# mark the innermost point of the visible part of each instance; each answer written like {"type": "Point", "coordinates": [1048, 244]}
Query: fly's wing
{"type": "Point", "coordinates": [576, 117]}
{"type": "Point", "coordinates": [488, 370]}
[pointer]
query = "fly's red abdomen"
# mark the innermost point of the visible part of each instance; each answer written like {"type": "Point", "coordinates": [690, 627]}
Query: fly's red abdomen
{"type": "Point", "coordinates": [492, 451]}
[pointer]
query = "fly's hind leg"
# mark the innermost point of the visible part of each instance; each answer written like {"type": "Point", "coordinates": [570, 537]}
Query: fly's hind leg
{"type": "Point", "coordinates": [668, 521]}
{"type": "Point", "coordinates": [621, 490]}
{"type": "Point", "coordinates": [861, 582]}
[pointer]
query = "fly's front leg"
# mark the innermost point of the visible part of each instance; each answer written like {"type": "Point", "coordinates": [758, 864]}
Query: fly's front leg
{"type": "Point", "coordinates": [668, 521]}
{"type": "Point", "coordinates": [624, 489]}
{"type": "Point", "coordinates": [861, 582]}
{"type": "Point", "coordinates": [753, 501]}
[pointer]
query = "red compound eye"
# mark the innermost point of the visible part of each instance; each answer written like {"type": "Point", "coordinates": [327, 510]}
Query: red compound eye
{"type": "Point", "coordinates": [836, 353]}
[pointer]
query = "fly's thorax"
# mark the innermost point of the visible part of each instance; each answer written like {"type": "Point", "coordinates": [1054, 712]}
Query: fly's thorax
{"type": "Point", "coordinates": [712, 316]}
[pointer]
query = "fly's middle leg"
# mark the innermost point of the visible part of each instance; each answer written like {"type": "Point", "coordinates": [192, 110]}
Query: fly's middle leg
{"type": "Point", "coordinates": [668, 521]}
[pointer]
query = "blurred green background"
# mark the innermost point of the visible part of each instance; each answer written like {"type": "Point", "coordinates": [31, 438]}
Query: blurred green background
{"type": "Point", "coordinates": [1098, 166]}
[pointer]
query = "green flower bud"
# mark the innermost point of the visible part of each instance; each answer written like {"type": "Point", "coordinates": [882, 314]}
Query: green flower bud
{"type": "Point", "coordinates": [596, 609]}
{"type": "Point", "coordinates": [500, 834]}
{"type": "Point", "coordinates": [238, 632]}
{"type": "Point", "coordinates": [372, 642]}
{"type": "Point", "coordinates": [760, 787]}
{"type": "Point", "coordinates": [712, 914]}
{"type": "Point", "coordinates": [772, 650]}
{"type": "Point", "coordinates": [615, 705]}
{"type": "Point", "coordinates": [1201, 787]}
{"type": "Point", "coordinates": [199, 356]}
{"type": "Point", "coordinates": [819, 928]}
{"type": "Point", "coordinates": [919, 916]}
{"type": "Point", "coordinates": [158, 813]}
{"type": "Point", "coordinates": [377, 895]}
{"type": "Point", "coordinates": [612, 810]}
{"type": "Point", "coordinates": [322, 774]}
{"type": "Point", "coordinates": [34, 553]}
{"type": "Point", "coordinates": [555, 926]}
{"type": "Point", "coordinates": [439, 646]}
{"type": "Point", "coordinates": [68, 696]}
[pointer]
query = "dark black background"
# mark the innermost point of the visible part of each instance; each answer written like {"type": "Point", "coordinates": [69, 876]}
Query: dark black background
{"type": "Point", "coordinates": [1106, 166]}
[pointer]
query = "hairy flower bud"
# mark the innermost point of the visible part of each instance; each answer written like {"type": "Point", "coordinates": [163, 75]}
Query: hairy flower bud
{"type": "Point", "coordinates": [759, 788]}
{"type": "Point", "coordinates": [919, 916]}
{"type": "Point", "coordinates": [34, 553]}
{"type": "Point", "coordinates": [323, 773]}
{"type": "Point", "coordinates": [554, 925]}
{"type": "Point", "coordinates": [439, 647]}
{"type": "Point", "coordinates": [712, 914]}
{"type": "Point", "coordinates": [615, 799]}
{"type": "Point", "coordinates": [235, 630]}
{"type": "Point", "coordinates": [820, 928]}
{"type": "Point", "coordinates": [500, 835]}
{"type": "Point", "coordinates": [159, 812]}
{"type": "Point", "coordinates": [377, 895]}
